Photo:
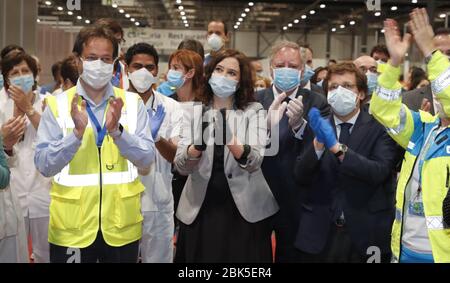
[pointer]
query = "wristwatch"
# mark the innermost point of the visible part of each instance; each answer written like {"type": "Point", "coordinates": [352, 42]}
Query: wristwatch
{"type": "Point", "coordinates": [342, 150]}
{"type": "Point", "coordinates": [31, 112]}
{"type": "Point", "coordinates": [428, 58]}
{"type": "Point", "coordinates": [117, 133]}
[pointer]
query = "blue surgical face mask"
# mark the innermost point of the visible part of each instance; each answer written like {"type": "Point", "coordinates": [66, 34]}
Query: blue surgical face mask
{"type": "Point", "coordinates": [286, 79]}
{"type": "Point", "coordinates": [25, 82]}
{"type": "Point", "coordinates": [175, 78]}
{"type": "Point", "coordinates": [320, 83]}
{"type": "Point", "coordinates": [372, 82]}
{"type": "Point", "coordinates": [342, 101]}
{"type": "Point", "coordinates": [222, 86]}
{"type": "Point", "coordinates": [309, 72]}
{"type": "Point", "coordinates": [1, 81]}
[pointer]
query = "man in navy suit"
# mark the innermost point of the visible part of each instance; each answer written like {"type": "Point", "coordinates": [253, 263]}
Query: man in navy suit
{"type": "Point", "coordinates": [292, 101]}
{"type": "Point", "coordinates": [347, 175]}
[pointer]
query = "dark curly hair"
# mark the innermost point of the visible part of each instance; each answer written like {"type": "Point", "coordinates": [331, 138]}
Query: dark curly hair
{"type": "Point", "coordinates": [245, 91]}
{"type": "Point", "coordinates": [13, 59]}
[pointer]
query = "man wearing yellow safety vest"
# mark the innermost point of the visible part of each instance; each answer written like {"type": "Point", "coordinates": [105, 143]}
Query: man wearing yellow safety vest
{"type": "Point", "coordinates": [418, 234]}
{"type": "Point", "coordinates": [91, 139]}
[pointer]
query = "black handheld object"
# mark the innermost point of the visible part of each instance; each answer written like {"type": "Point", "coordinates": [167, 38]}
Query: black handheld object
{"type": "Point", "coordinates": [205, 124]}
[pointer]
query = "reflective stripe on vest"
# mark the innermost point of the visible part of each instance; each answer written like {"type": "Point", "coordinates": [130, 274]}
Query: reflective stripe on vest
{"type": "Point", "coordinates": [65, 122]}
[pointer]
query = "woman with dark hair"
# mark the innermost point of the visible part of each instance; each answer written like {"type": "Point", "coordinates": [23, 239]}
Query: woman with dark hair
{"type": "Point", "coordinates": [319, 76]}
{"type": "Point", "coordinates": [226, 205]}
{"type": "Point", "coordinates": [27, 198]}
{"type": "Point", "coordinates": [418, 78]}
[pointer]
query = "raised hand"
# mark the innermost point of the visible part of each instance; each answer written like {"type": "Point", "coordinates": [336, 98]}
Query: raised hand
{"type": "Point", "coordinates": [397, 46]}
{"type": "Point", "coordinates": [199, 140]}
{"type": "Point", "coordinates": [422, 31]}
{"type": "Point", "coordinates": [113, 114]}
{"type": "Point", "coordinates": [276, 110]}
{"type": "Point", "coordinates": [295, 112]}
{"type": "Point", "coordinates": [79, 116]}
{"type": "Point", "coordinates": [426, 105]}
{"type": "Point", "coordinates": [156, 120]}
{"type": "Point", "coordinates": [12, 131]}
{"type": "Point", "coordinates": [21, 99]}
{"type": "Point", "coordinates": [314, 124]}
{"type": "Point", "coordinates": [322, 128]}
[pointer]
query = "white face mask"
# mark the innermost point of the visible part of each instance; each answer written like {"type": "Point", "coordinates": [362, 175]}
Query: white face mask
{"type": "Point", "coordinates": [221, 86]}
{"type": "Point", "coordinates": [342, 100]}
{"type": "Point", "coordinates": [142, 80]}
{"type": "Point", "coordinates": [97, 74]}
{"type": "Point", "coordinates": [215, 42]}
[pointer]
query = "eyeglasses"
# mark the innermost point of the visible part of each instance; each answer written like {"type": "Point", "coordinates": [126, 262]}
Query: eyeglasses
{"type": "Point", "coordinates": [345, 85]}
{"type": "Point", "coordinates": [106, 60]}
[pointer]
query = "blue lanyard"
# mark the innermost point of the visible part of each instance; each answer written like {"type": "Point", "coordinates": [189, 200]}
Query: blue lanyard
{"type": "Point", "coordinates": [101, 132]}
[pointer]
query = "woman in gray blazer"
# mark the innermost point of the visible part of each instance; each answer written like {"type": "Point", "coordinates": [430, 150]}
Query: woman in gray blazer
{"type": "Point", "coordinates": [226, 205]}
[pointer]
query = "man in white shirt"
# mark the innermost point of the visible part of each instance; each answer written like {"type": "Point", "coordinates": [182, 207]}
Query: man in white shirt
{"type": "Point", "coordinates": [166, 116]}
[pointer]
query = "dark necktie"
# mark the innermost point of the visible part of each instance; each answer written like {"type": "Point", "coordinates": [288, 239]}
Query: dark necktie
{"type": "Point", "coordinates": [339, 200]}
{"type": "Point", "coordinates": [345, 132]}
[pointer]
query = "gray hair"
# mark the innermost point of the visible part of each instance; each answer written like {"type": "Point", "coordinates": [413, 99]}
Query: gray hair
{"type": "Point", "coordinates": [287, 44]}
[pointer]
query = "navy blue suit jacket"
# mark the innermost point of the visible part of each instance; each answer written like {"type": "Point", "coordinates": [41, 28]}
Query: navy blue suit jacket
{"type": "Point", "coordinates": [278, 171]}
{"type": "Point", "coordinates": [367, 181]}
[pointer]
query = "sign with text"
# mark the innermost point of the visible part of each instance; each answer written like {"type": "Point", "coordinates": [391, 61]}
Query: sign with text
{"type": "Point", "coordinates": [118, 2]}
{"type": "Point", "coordinates": [162, 38]}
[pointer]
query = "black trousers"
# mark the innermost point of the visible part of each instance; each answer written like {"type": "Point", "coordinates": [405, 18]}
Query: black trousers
{"type": "Point", "coordinates": [285, 228]}
{"type": "Point", "coordinates": [99, 251]}
{"type": "Point", "coordinates": [340, 249]}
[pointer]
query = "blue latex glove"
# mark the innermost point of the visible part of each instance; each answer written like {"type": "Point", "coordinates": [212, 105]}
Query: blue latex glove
{"type": "Point", "coordinates": [156, 120]}
{"type": "Point", "coordinates": [322, 128]}
{"type": "Point", "coordinates": [166, 89]}
{"type": "Point", "coordinates": [314, 123]}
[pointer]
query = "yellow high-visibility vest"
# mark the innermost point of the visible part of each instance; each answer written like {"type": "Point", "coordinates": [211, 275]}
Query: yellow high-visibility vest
{"type": "Point", "coordinates": [99, 189]}
{"type": "Point", "coordinates": [410, 130]}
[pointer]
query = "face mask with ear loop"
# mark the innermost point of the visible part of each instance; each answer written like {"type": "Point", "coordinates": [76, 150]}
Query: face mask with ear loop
{"type": "Point", "coordinates": [142, 80]}
{"type": "Point", "coordinates": [97, 74]}
{"type": "Point", "coordinates": [175, 78]}
{"type": "Point", "coordinates": [215, 42]}
{"type": "Point", "coordinates": [25, 82]}
{"type": "Point", "coordinates": [342, 100]}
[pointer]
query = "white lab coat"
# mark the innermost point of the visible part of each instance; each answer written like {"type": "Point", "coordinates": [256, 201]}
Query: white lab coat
{"type": "Point", "coordinates": [32, 189]}
{"type": "Point", "coordinates": [12, 227]}
{"type": "Point", "coordinates": [158, 183]}
{"type": "Point", "coordinates": [157, 199]}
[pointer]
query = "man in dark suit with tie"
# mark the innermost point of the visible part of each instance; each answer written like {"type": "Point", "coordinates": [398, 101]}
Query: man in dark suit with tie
{"type": "Point", "coordinates": [347, 172]}
{"type": "Point", "coordinates": [291, 101]}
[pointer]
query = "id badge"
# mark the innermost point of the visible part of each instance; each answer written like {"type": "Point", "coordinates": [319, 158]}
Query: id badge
{"type": "Point", "coordinates": [416, 208]}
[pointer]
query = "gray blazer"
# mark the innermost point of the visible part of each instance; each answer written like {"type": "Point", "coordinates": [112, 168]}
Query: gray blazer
{"type": "Point", "coordinates": [249, 189]}
{"type": "Point", "coordinates": [413, 98]}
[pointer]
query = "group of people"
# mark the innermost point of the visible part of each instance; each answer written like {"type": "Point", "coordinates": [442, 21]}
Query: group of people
{"type": "Point", "coordinates": [329, 162]}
